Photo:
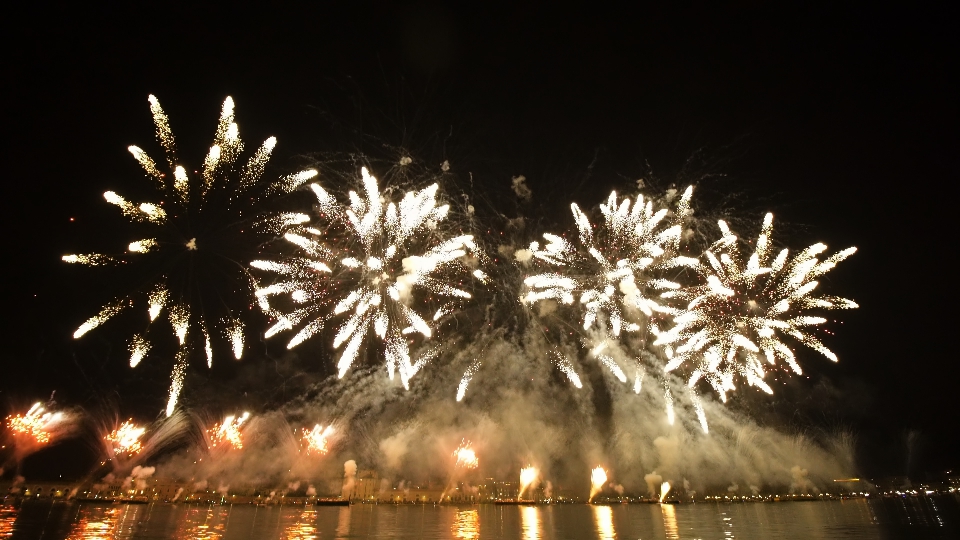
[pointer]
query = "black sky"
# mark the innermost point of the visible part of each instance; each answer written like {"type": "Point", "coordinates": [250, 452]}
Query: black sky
{"type": "Point", "coordinates": [840, 120]}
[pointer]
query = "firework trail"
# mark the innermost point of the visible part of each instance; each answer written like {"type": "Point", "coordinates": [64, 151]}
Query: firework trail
{"type": "Point", "coordinates": [598, 477]}
{"type": "Point", "coordinates": [733, 324]}
{"type": "Point", "coordinates": [192, 241]}
{"type": "Point", "coordinates": [385, 266]}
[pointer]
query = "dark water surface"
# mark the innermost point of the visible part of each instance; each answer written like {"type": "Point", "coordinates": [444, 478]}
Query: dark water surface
{"type": "Point", "coordinates": [933, 517]}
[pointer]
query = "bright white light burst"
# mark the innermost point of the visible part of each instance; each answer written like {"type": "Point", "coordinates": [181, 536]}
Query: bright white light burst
{"type": "Point", "coordinates": [197, 219]}
{"type": "Point", "coordinates": [389, 263]}
{"type": "Point", "coordinates": [733, 324]}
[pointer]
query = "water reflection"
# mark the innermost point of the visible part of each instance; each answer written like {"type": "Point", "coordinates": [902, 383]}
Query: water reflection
{"type": "Point", "coordinates": [466, 524]}
{"type": "Point", "coordinates": [604, 517]}
{"type": "Point", "coordinates": [530, 522]}
{"type": "Point", "coordinates": [8, 515]}
{"type": "Point", "coordinates": [670, 529]}
{"type": "Point", "coordinates": [203, 523]}
{"type": "Point", "coordinates": [343, 522]}
{"type": "Point", "coordinates": [305, 527]}
{"type": "Point", "coordinates": [97, 523]}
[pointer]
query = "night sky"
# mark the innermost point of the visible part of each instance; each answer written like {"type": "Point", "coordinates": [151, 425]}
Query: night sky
{"type": "Point", "coordinates": [841, 121]}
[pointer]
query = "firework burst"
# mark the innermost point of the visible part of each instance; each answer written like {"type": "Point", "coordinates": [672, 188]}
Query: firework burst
{"type": "Point", "coordinates": [125, 441]}
{"type": "Point", "coordinates": [733, 325]}
{"type": "Point", "coordinates": [229, 433]}
{"type": "Point", "coordinates": [466, 456]}
{"type": "Point", "coordinates": [387, 267]}
{"type": "Point", "coordinates": [316, 441]}
{"type": "Point", "coordinates": [37, 426]}
{"type": "Point", "coordinates": [613, 273]}
{"type": "Point", "coordinates": [598, 477]}
{"type": "Point", "coordinates": [193, 241]}
{"type": "Point", "coordinates": [529, 476]}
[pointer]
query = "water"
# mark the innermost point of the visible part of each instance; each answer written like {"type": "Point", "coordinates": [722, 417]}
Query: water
{"type": "Point", "coordinates": [934, 517]}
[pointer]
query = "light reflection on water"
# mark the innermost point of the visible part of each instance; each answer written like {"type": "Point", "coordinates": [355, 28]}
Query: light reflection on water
{"type": "Point", "coordinates": [530, 518]}
{"type": "Point", "coordinates": [466, 524]}
{"type": "Point", "coordinates": [304, 526]}
{"type": "Point", "coordinates": [204, 523]}
{"type": "Point", "coordinates": [604, 517]}
{"type": "Point", "coordinates": [343, 522]}
{"type": "Point", "coordinates": [97, 522]}
{"type": "Point", "coordinates": [8, 515]}
{"type": "Point", "coordinates": [850, 519]}
{"type": "Point", "coordinates": [670, 528]}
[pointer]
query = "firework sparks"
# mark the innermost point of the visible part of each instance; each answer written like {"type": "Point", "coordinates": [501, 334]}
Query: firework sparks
{"type": "Point", "coordinates": [393, 250]}
{"type": "Point", "coordinates": [125, 440]}
{"type": "Point", "coordinates": [613, 272]}
{"type": "Point", "coordinates": [664, 489]}
{"type": "Point", "coordinates": [202, 220]}
{"type": "Point", "coordinates": [732, 326]}
{"type": "Point", "coordinates": [229, 432]}
{"type": "Point", "coordinates": [36, 424]}
{"type": "Point", "coordinates": [466, 456]}
{"type": "Point", "coordinates": [316, 440]}
{"type": "Point", "coordinates": [598, 477]}
{"type": "Point", "coordinates": [528, 477]}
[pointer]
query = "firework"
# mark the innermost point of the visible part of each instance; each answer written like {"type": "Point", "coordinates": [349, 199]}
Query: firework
{"type": "Point", "coordinates": [316, 440]}
{"type": "Point", "coordinates": [733, 323]}
{"type": "Point", "coordinates": [228, 433]}
{"type": "Point", "coordinates": [197, 233]}
{"type": "Point", "coordinates": [125, 440]}
{"type": "Point", "coordinates": [613, 274]}
{"type": "Point", "coordinates": [598, 477]}
{"type": "Point", "coordinates": [392, 272]}
{"type": "Point", "coordinates": [36, 425]}
{"type": "Point", "coordinates": [528, 477]}
{"type": "Point", "coordinates": [466, 456]}
{"type": "Point", "coordinates": [664, 489]}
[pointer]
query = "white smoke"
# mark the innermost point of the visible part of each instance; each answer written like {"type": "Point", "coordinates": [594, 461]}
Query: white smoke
{"type": "Point", "coordinates": [349, 478]}
{"type": "Point", "coordinates": [520, 188]}
{"type": "Point", "coordinates": [653, 481]}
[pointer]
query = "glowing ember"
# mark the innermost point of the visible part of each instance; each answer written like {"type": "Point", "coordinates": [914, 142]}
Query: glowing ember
{"type": "Point", "coordinates": [598, 477]}
{"type": "Point", "coordinates": [466, 457]}
{"type": "Point", "coordinates": [315, 440]}
{"type": "Point", "coordinates": [126, 439]}
{"type": "Point", "coordinates": [229, 432]}
{"type": "Point", "coordinates": [528, 475]}
{"type": "Point", "coordinates": [36, 424]}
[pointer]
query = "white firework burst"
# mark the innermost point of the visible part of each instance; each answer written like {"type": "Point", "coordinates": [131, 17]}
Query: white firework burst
{"type": "Point", "coordinates": [387, 267]}
{"type": "Point", "coordinates": [733, 324]}
{"type": "Point", "coordinates": [613, 273]}
{"type": "Point", "coordinates": [199, 222]}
